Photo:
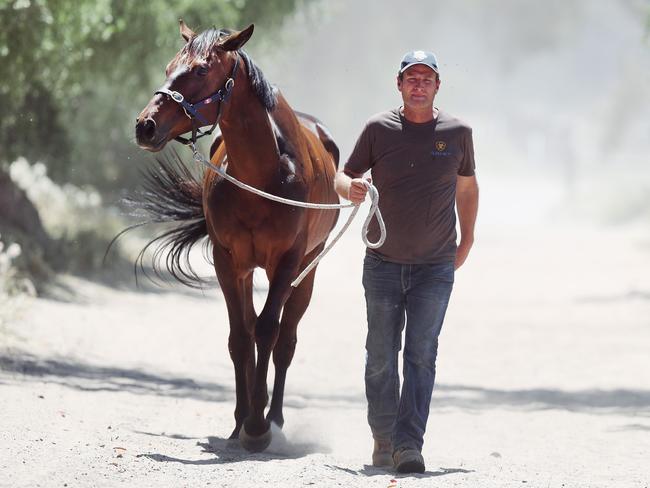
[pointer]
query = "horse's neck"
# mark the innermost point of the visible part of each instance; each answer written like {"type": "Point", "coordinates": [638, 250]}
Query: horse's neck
{"type": "Point", "coordinates": [253, 155]}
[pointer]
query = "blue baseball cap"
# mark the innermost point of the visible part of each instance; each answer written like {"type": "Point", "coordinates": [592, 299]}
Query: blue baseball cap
{"type": "Point", "coordinates": [419, 57]}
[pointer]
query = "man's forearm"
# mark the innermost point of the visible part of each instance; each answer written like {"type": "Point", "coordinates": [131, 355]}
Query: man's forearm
{"type": "Point", "coordinates": [342, 185]}
{"type": "Point", "coordinates": [467, 206]}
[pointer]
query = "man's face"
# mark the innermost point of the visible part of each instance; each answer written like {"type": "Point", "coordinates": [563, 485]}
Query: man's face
{"type": "Point", "coordinates": [418, 86]}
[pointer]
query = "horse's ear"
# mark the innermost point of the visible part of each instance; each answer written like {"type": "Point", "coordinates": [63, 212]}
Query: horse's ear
{"type": "Point", "coordinates": [237, 39]}
{"type": "Point", "coordinates": [186, 32]}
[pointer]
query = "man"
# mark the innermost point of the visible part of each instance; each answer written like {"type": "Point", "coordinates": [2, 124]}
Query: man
{"type": "Point", "coordinates": [422, 162]}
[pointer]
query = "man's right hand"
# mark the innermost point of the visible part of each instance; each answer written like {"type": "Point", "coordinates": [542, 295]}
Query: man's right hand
{"type": "Point", "coordinates": [358, 190]}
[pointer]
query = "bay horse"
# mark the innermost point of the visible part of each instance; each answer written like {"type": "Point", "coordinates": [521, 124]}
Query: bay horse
{"type": "Point", "coordinates": [267, 145]}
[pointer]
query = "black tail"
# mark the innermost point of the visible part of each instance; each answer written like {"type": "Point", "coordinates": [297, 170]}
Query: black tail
{"type": "Point", "coordinates": [171, 194]}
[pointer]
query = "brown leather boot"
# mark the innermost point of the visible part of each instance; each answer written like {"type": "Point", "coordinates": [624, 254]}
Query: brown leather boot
{"type": "Point", "coordinates": [408, 461]}
{"type": "Point", "coordinates": [382, 454]}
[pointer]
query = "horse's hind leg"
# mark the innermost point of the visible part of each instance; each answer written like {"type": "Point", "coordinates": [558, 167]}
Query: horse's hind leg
{"type": "Point", "coordinates": [285, 347]}
{"type": "Point", "coordinates": [239, 300]}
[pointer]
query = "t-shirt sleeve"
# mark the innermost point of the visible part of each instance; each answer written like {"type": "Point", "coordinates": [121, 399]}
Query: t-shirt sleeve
{"type": "Point", "coordinates": [360, 160]}
{"type": "Point", "coordinates": [467, 164]}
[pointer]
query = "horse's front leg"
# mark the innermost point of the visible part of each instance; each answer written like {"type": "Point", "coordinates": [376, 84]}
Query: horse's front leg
{"type": "Point", "coordinates": [256, 433]}
{"type": "Point", "coordinates": [237, 290]}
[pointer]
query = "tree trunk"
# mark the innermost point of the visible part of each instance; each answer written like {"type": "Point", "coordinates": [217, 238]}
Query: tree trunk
{"type": "Point", "coordinates": [42, 256]}
{"type": "Point", "coordinates": [19, 217]}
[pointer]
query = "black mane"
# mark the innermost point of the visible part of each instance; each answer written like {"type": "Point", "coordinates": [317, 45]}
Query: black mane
{"type": "Point", "coordinates": [203, 43]}
{"type": "Point", "coordinates": [260, 85]}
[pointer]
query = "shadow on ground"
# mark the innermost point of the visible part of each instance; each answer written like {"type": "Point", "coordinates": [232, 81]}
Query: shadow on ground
{"type": "Point", "coordinates": [226, 451]}
{"type": "Point", "coordinates": [16, 366]}
{"type": "Point", "coordinates": [631, 427]}
{"type": "Point", "coordinates": [92, 378]}
{"type": "Point", "coordinates": [621, 297]}
{"type": "Point", "coordinates": [620, 401]}
{"type": "Point", "coordinates": [369, 470]}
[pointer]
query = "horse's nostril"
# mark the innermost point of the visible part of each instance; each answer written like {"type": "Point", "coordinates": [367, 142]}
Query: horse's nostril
{"type": "Point", "coordinates": [146, 130]}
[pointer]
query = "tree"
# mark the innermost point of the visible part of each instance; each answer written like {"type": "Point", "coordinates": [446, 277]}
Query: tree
{"type": "Point", "coordinates": [71, 72]}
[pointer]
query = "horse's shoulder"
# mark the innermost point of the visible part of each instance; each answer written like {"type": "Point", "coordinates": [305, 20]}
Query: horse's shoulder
{"type": "Point", "coordinates": [283, 113]}
{"type": "Point", "coordinates": [319, 129]}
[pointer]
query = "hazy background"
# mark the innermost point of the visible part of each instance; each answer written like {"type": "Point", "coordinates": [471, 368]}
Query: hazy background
{"type": "Point", "coordinates": [557, 94]}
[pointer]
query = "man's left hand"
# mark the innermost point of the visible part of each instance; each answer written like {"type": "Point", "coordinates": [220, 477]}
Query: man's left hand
{"type": "Point", "coordinates": [462, 252]}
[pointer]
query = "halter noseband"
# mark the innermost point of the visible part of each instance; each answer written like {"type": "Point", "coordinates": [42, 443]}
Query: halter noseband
{"type": "Point", "coordinates": [192, 109]}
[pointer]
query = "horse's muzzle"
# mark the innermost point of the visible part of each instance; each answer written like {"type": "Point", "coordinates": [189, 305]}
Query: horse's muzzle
{"type": "Point", "coordinates": [146, 135]}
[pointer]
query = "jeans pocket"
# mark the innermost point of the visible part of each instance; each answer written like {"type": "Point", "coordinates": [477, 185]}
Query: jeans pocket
{"type": "Point", "coordinates": [443, 272]}
{"type": "Point", "coordinates": [451, 272]}
{"type": "Point", "coordinates": [371, 262]}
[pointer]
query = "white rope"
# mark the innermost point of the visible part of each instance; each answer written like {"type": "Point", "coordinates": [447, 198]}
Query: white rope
{"type": "Point", "coordinates": [374, 211]}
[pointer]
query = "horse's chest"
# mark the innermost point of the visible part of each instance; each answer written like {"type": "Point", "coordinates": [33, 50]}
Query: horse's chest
{"type": "Point", "coordinates": [253, 230]}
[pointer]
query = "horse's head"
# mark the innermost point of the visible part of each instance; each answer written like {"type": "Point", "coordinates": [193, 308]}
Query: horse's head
{"type": "Point", "coordinates": [198, 79]}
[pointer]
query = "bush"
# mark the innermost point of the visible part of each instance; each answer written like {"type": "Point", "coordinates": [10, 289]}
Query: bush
{"type": "Point", "coordinates": [80, 225]}
{"type": "Point", "coordinates": [13, 285]}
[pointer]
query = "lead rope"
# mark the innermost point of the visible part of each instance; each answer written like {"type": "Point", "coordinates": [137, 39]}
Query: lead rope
{"type": "Point", "coordinates": [374, 210]}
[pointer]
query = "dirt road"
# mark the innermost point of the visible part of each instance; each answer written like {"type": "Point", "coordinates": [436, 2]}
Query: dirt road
{"type": "Point", "coordinates": [543, 378]}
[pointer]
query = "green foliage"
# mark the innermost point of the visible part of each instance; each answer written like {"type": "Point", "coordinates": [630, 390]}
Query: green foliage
{"type": "Point", "coordinates": [74, 73]}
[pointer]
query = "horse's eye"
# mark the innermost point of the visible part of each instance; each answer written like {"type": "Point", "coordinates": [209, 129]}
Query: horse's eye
{"type": "Point", "coordinates": [202, 70]}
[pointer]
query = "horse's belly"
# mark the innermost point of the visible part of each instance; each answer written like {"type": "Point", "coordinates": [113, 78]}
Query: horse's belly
{"type": "Point", "coordinates": [320, 226]}
{"type": "Point", "coordinates": [321, 222]}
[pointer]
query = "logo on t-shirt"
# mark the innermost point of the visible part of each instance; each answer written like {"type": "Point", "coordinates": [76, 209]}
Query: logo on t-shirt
{"type": "Point", "coordinates": [440, 149]}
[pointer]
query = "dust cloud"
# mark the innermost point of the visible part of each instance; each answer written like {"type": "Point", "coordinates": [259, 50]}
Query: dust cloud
{"type": "Point", "coordinates": [556, 92]}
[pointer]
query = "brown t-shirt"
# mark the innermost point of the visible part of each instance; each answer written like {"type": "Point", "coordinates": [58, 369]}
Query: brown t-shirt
{"type": "Point", "coordinates": [414, 167]}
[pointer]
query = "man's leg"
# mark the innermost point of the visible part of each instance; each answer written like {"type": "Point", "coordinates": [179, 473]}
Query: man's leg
{"type": "Point", "coordinates": [385, 312]}
{"type": "Point", "coordinates": [427, 297]}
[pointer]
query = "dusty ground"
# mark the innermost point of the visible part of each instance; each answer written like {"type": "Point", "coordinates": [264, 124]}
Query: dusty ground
{"type": "Point", "coordinates": [543, 378]}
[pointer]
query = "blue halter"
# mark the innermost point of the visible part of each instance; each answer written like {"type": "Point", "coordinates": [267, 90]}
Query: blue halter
{"type": "Point", "coordinates": [192, 109]}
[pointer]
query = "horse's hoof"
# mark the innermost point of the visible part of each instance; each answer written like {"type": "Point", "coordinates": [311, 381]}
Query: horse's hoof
{"type": "Point", "coordinates": [254, 443]}
{"type": "Point", "coordinates": [235, 433]}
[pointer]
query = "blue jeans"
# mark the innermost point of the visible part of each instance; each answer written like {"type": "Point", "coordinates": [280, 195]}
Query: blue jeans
{"type": "Point", "coordinates": [412, 297]}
